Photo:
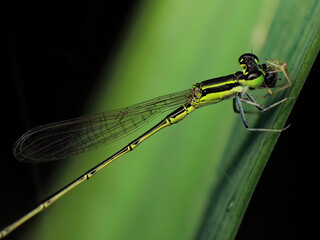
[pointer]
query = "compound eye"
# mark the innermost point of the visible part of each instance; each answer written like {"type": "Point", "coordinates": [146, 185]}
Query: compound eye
{"type": "Point", "coordinates": [248, 57]}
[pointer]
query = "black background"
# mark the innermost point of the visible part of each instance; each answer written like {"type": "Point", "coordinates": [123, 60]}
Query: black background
{"type": "Point", "coordinates": [51, 49]}
{"type": "Point", "coordinates": [52, 53]}
{"type": "Point", "coordinates": [284, 202]}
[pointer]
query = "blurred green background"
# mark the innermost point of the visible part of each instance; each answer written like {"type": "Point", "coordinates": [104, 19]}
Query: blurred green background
{"type": "Point", "coordinates": [160, 191]}
{"type": "Point", "coordinates": [163, 188]}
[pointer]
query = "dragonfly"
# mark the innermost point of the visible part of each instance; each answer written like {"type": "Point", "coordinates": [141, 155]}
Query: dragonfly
{"type": "Point", "coordinates": [64, 139]}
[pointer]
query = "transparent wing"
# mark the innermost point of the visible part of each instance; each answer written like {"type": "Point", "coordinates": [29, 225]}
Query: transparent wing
{"type": "Point", "coordinates": [71, 137]}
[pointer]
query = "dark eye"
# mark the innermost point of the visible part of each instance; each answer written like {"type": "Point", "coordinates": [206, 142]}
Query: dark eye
{"type": "Point", "coordinates": [248, 57]}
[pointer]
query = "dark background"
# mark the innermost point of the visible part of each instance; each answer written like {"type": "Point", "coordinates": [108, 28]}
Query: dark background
{"type": "Point", "coordinates": [51, 57]}
{"type": "Point", "coordinates": [52, 53]}
{"type": "Point", "coordinates": [284, 202]}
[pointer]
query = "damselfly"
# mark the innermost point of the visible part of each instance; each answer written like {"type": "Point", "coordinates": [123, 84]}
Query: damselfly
{"type": "Point", "coordinates": [72, 137]}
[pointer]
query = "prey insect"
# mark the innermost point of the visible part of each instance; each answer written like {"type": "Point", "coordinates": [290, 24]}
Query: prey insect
{"type": "Point", "coordinates": [72, 137]}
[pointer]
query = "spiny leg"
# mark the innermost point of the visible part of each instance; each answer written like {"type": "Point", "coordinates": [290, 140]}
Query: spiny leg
{"type": "Point", "coordinates": [244, 120]}
{"type": "Point", "coordinates": [253, 102]}
{"type": "Point", "coordinates": [235, 108]}
{"type": "Point", "coordinates": [245, 91]}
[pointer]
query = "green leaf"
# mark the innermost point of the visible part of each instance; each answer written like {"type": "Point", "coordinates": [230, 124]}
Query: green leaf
{"type": "Point", "coordinates": [193, 180]}
{"type": "Point", "coordinates": [299, 45]}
